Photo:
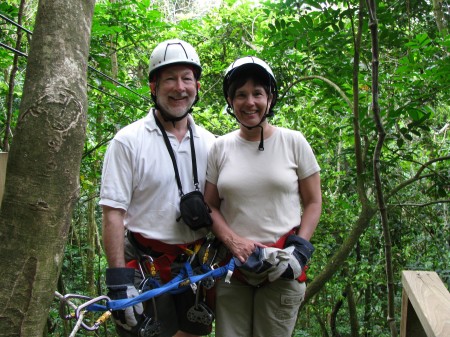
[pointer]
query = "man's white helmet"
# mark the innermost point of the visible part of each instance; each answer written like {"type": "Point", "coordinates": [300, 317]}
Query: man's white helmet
{"type": "Point", "coordinates": [174, 51]}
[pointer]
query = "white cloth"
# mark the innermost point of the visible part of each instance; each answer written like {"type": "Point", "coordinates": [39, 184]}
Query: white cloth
{"type": "Point", "coordinates": [259, 190]}
{"type": "Point", "coordinates": [269, 263]}
{"type": "Point", "coordinates": [281, 259]}
{"type": "Point", "coordinates": [138, 177]}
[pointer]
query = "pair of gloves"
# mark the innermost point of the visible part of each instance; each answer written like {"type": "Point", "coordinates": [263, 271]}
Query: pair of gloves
{"type": "Point", "coordinates": [286, 263]}
{"type": "Point", "coordinates": [120, 283]}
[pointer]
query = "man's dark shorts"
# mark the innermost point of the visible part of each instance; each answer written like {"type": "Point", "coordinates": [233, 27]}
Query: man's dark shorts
{"type": "Point", "coordinates": [171, 309]}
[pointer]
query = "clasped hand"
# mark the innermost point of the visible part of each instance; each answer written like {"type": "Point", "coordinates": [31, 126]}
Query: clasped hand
{"type": "Point", "coordinates": [120, 282]}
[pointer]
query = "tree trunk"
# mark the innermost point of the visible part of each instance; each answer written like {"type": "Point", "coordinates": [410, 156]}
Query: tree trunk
{"type": "Point", "coordinates": [353, 315]}
{"type": "Point", "coordinates": [367, 322]}
{"type": "Point", "coordinates": [90, 255]}
{"type": "Point", "coordinates": [11, 84]}
{"type": "Point", "coordinates": [43, 165]}
{"type": "Point", "coordinates": [373, 26]}
{"type": "Point", "coordinates": [440, 17]}
{"type": "Point", "coordinates": [323, 327]}
{"type": "Point", "coordinates": [367, 209]}
{"type": "Point", "coordinates": [333, 316]}
{"type": "Point", "coordinates": [337, 260]}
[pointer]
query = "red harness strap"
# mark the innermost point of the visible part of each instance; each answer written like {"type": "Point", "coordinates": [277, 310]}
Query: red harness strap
{"type": "Point", "coordinates": [168, 253]}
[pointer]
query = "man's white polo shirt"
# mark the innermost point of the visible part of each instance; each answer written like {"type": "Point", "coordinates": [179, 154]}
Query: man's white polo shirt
{"type": "Point", "coordinates": [138, 177]}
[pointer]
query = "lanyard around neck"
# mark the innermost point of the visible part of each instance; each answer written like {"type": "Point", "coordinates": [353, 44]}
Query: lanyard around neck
{"type": "Point", "coordinates": [172, 155]}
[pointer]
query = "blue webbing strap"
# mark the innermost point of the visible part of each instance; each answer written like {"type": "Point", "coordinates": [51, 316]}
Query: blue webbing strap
{"type": "Point", "coordinates": [181, 280]}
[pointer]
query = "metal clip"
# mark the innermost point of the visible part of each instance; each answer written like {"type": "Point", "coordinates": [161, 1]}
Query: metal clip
{"type": "Point", "coordinates": [143, 266]}
{"type": "Point", "coordinates": [96, 325]}
{"type": "Point", "coordinates": [65, 302]}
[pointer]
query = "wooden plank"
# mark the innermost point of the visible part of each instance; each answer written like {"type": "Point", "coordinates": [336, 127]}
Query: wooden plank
{"type": "Point", "coordinates": [3, 161]}
{"type": "Point", "coordinates": [430, 300]}
{"type": "Point", "coordinates": [410, 325]}
{"type": "Point", "coordinates": [404, 317]}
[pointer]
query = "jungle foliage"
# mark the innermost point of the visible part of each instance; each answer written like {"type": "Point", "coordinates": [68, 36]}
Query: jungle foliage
{"type": "Point", "coordinates": [321, 54]}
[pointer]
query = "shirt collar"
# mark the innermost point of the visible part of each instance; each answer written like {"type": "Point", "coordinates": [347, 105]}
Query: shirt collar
{"type": "Point", "coordinates": [150, 123]}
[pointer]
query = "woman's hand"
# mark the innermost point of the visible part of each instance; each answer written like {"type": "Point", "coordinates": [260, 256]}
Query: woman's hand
{"type": "Point", "coordinates": [241, 248]}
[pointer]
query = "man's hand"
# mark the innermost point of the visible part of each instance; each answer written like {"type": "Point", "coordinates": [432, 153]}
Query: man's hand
{"type": "Point", "coordinates": [121, 286]}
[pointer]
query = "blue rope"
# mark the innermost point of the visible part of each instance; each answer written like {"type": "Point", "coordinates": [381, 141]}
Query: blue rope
{"type": "Point", "coordinates": [177, 284]}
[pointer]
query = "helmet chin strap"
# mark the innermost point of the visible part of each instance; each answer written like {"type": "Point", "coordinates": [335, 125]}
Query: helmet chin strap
{"type": "Point", "coordinates": [261, 142]}
{"type": "Point", "coordinates": [263, 118]}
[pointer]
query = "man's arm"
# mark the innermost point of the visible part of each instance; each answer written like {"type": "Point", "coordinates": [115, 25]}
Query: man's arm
{"type": "Point", "coordinates": [113, 236]}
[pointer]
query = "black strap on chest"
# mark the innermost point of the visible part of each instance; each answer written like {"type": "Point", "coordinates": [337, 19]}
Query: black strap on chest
{"type": "Point", "coordinates": [172, 155]}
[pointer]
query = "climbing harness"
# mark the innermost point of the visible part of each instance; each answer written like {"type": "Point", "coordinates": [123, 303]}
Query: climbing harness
{"type": "Point", "coordinates": [149, 289]}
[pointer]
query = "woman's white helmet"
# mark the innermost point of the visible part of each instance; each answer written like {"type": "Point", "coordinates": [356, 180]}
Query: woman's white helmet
{"type": "Point", "coordinates": [251, 67]}
{"type": "Point", "coordinates": [174, 51]}
{"type": "Point", "coordinates": [250, 63]}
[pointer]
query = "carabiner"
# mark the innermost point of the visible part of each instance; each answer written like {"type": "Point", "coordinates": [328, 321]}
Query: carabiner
{"type": "Point", "coordinates": [65, 302]}
{"type": "Point", "coordinates": [144, 259]}
{"type": "Point", "coordinates": [96, 325]}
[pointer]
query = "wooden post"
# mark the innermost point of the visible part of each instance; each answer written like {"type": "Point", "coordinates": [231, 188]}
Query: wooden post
{"type": "Point", "coordinates": [425, 305]}
{"type": "Point", "coordinates": [3, 161]}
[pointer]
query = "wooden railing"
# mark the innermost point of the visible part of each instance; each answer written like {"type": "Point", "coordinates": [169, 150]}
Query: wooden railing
{"type": "Point", "coordinates": [425, 305]}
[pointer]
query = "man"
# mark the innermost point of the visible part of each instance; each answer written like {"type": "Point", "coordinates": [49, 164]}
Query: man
{"type": "Point", "coordinates": [142, 231]}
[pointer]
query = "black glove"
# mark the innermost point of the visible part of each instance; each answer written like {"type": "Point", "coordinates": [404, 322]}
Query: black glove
{"type": "Point", "coordinates": [121, 286]}
{"type": "Point", "coordinates": [303, 250]}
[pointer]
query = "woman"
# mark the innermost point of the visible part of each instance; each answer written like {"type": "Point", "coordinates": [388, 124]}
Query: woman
{"type": "Point", "coordinates": [263, 187]}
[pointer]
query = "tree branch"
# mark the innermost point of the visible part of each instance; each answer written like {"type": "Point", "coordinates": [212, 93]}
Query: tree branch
{"type": "Point", "coordinates": [416, 177]}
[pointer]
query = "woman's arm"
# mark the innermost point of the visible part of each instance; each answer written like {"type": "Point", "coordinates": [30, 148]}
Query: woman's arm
{"type": "Point", "coordinates": [311, 198]}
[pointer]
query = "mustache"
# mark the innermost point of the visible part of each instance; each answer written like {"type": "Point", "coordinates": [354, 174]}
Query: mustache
{"type": "Point", "coordinates": [180, 96]}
